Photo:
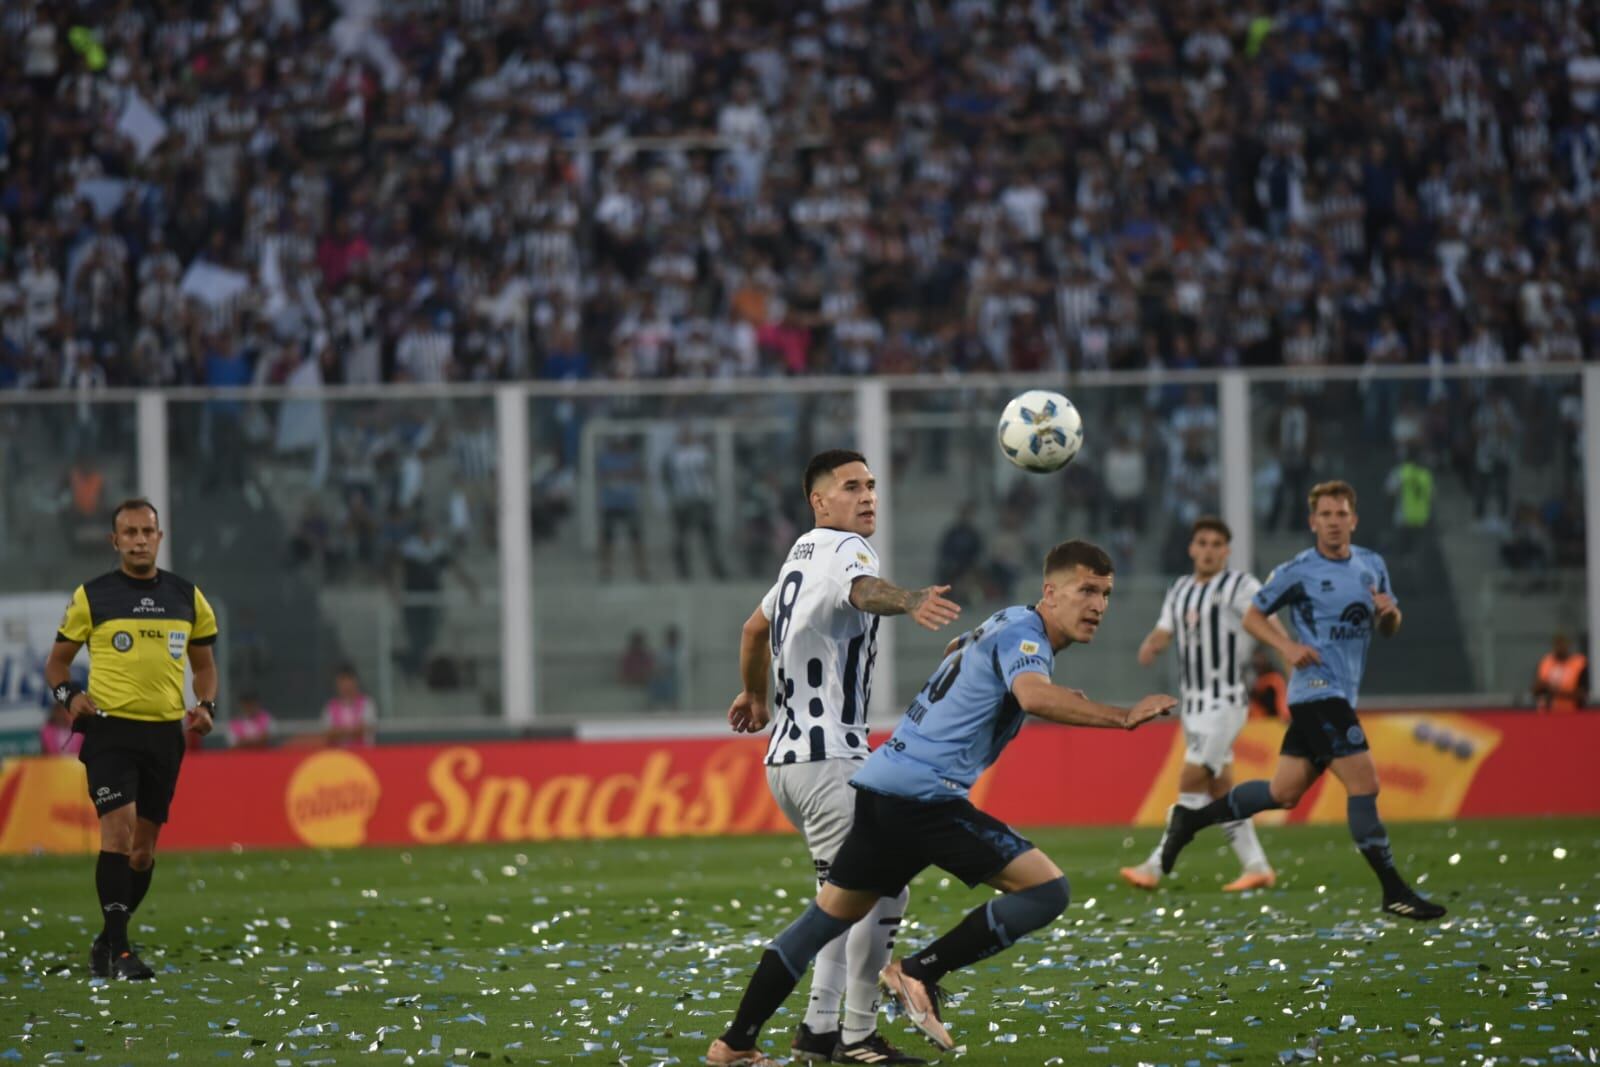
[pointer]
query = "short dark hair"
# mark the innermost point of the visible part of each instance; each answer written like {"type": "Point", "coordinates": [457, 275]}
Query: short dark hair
{"type": "Point", "coordinates": [1212, 523]}
{"type": "Point", "coordinates": [1069, 554]}
{"type": "Point", "coordinates": [828, 462]}
{"type": "Point", "coordinates": [133, 504]}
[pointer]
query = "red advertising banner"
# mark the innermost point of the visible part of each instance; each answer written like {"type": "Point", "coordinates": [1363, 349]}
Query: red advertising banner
{"type": "Point", "coordinates": [1433, 765]}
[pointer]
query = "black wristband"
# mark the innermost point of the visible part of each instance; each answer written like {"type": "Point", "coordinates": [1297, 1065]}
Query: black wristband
{"type": "Point", "coordinates": [209, 705]}
{"type": "Point", "coordinates": [64, 694]}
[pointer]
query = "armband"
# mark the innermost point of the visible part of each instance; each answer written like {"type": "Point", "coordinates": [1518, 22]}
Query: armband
{"type": "Point", "coordinates": [64, 693]}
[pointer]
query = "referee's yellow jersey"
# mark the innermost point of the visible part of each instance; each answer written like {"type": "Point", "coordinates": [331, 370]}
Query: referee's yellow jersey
{"type": "Point", "coordinates": [138, 630]}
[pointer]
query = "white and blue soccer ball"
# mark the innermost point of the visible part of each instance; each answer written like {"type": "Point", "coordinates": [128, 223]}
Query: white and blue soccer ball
{"type": "Point", "coordinates": [1040, 431]}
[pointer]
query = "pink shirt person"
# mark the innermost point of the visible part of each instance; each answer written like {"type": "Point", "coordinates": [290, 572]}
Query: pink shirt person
{"type": "Point", "coordinates": [252, 727]}
{"type": "Point", "coordinates": [56, 737]}
{"type": "Point", "coordinates": [351, 717]}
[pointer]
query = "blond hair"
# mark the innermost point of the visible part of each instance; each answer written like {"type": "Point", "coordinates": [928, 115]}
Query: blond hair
{"type": "Point", "coordinates": [1335, 489]}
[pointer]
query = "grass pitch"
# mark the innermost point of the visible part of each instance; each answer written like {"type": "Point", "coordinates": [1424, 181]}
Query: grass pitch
{"type": "Point", "coordinates": [636, 953]}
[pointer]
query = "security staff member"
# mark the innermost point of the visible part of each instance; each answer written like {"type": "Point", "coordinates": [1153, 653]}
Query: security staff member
{"type": "Point", "coordinates": [1562, 681]}
{"type": "Point", "coordinates": [139, 623]}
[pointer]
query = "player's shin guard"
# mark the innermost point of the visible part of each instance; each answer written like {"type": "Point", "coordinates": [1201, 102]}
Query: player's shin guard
{"type": "Point", "coordinates": [780, 970]}
{"type": "Point", "coordinates": [989, 929]}
{"type": "Point", "coordinates": [113, 882]}
{"type": "Point", "coordinates": [871, 944]}
{"type": "Point", "coordinates": [1373, 841]}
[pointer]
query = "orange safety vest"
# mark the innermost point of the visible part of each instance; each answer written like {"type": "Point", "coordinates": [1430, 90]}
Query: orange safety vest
{"type": "Point", "coordinates": [1559, 678]}
{"type": "Point", "coordinates": [1269, 697]}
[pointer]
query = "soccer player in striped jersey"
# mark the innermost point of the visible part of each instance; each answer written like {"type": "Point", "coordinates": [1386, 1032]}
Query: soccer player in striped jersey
{"type": "Point", "coordinates": [1337, 594]}
{"type": "Point", "coordinates": [1203, 614]}
{"type": "Point", "coordinates": [817, 631]}
{"type": "Point", "coordinates": [914, 810]}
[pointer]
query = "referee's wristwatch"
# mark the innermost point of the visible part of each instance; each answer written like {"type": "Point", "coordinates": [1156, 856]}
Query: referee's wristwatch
{"type": "Point", "coordinates": [209, 705]}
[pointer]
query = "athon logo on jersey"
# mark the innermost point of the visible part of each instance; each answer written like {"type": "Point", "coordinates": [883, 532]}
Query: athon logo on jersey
{"type": "Point", "coordinates": [1354, 622]}
{"type": "Point", "coordinates": [148, 606]}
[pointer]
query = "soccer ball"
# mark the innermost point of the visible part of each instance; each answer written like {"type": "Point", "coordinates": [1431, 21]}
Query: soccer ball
{"type": "Point", "coordinates": [1040, 431]}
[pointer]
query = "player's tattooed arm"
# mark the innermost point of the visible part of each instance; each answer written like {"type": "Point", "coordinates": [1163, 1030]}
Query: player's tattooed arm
{"type": "Point", "coordinates": [927, 607]}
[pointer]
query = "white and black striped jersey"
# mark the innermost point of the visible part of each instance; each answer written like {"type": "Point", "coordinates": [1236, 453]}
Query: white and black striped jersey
{"type": "Point", "coordinates": [1205, 620]}
{"type": "Point", "coordinates": [823, 649]}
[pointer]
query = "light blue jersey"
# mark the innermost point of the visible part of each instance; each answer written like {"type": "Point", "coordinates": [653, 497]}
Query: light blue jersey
{"type": "Point", "coordinates": [1330, 609]}
{"type": "Point", "coordinates": [965, 716]}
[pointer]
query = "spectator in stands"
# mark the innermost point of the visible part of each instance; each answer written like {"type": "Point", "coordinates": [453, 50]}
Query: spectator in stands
{"type": "Point", "coordinates": [690, 480]}
{"type": "Point", "coordinates": [666, 680]}
{"type": "Point", "coordinates": [960, 550]}
{"type": "Point", "coordinates": [619, 470]}
{"type": "Point", "coordinates": [1291, 442]}
{"type": "Point", "coordinates": [252, 725]}
{"type": "Point", "coordinates": [637, 663]}
{"type": "Point", "coordinates": [1410, 483]}
{"type": "Point", "coordinates": [1561, 682]}
{"type": "Point", "coordinates": [1527, 547]}
{"type": "Point", "coordinates": [350, 718]}
{"type": "Point", "coordinates": [424, 558]}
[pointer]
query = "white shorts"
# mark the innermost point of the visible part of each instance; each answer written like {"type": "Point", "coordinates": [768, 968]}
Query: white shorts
{"type": "Point", "coordinates": [817, 799]}
{"type": "Point", "coordinates": [1209, 733]}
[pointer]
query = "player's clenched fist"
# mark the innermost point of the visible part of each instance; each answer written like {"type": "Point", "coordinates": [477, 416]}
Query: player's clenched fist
{"type": "Point", "coordinates": [748, 713]}
{"type": "Point", "coordinates": [1150, 707]}
{"type": "Point", "coordinates": [931, 610]}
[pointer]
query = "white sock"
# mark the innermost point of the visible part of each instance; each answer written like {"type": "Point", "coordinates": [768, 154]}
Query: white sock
{"type": "Point", "coordinates": [871, 946]}
{"type": "Point", "coordinates": [1241, 835]}
{"type": "Point", "coordinates": [828, 973]}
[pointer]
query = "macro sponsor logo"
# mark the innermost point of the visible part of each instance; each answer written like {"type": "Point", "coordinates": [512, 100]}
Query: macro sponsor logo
{"type": "Point", "coordinates": [467, 803]}
{"type": "Point", "coordinates": [1354, 622]}
{"type": "Point", "coordinates": [330, 799]}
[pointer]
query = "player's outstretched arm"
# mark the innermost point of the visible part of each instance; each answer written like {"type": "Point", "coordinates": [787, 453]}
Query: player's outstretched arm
{"type": "Point", "coordinates": [928, 607]}
{"type": "Point", "coordinates": [1275, 637]}
{"type": "Point", "coordinates": [749, 713]}
{"type": "Point", "coordinates": [1054, 703]}
{"type": "Point", "coordinates": [1155, 642]}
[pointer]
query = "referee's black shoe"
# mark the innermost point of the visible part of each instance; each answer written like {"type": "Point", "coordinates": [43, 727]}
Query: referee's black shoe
{"type": "Point", "coordinates": [812, 1046]}
{"type": "Point", "coordinates": [100, 957]}
{"type": "Point", "coordinates": [1182, 824]}
{"type": "Point", "coordinates": [130, 968]}
{"type": "Point", "coordinates": [872, 1049]}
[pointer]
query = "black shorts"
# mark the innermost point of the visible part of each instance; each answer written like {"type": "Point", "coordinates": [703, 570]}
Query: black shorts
{"type": "Point", "coordinates": [1322, 731]}
{"type": "Point", "coordinates": [132, 762]}
{"type": "Point", "coordinates": [893, 839]}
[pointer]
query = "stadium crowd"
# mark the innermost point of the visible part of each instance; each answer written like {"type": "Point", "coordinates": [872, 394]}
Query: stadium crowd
{"type": "Point", "coordinates": [302, 191]}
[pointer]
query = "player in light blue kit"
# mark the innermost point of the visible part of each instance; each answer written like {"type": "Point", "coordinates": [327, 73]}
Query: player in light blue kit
{"type": "Point", "coordinates": [912, 809]}
{"type": "Point", "coordinates": [1336, 594]}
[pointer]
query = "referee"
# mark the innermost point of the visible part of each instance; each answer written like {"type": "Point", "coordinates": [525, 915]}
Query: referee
{"type": "Point", "coordinates": [138, 622]}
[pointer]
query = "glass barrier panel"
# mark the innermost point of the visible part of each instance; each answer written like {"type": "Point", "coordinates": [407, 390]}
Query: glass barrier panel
{"type": "Point", "coordinates": [1470, 489]}
{"type": "Point", "coordinates": [964, 516]}
{"type": "Point", "coordinates": [335, 533]}
{"type": "Point", "coordinates": [658, 523]}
